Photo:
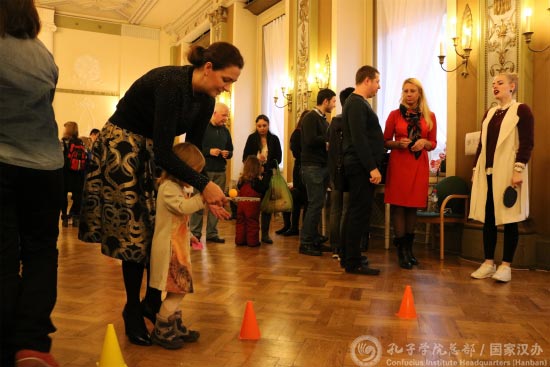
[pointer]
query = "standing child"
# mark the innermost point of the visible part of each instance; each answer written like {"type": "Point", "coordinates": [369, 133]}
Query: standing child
{"type": "Point", "coordinates": [251, 187]}
{"type": "Point", "coordinates": [170, 255]}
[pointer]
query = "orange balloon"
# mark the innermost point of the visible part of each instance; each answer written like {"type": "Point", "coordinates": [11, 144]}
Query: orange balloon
{"type": "Point", "coordinates": [233, 193]}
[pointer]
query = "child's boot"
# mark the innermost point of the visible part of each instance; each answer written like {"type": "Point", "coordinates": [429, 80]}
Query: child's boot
{"type": "Point", "coordinates": [165, 333]}
{"type": "Point", "coordinates": [187, 335]}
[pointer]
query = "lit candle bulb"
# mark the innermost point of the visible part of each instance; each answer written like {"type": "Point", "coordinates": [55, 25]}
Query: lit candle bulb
{"type": "Point", "coordinates": [528, 13]}
{"type": "Point", "coordinates": [441, 48]}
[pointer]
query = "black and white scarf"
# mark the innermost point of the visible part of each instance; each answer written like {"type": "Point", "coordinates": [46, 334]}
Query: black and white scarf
{"type": "Point", "coordinates": [412, 116]}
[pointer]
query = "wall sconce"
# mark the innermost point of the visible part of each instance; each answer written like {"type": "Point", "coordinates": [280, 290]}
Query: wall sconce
{"type": "Point", "coordinates": [528, 32]}
{"type": "Point", "coordinates": [466, 38]}
{"type": "Point", "coordinates": [322, 76]}
{"type": "Point", "coordinates": [286, 91]}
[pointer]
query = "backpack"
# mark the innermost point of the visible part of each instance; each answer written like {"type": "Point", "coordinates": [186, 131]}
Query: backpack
{"type": "Point", "coordinates": [77, 155]}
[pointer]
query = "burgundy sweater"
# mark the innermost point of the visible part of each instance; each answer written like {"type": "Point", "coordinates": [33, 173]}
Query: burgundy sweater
{"type": "Point", "coordinates": [525, 130]}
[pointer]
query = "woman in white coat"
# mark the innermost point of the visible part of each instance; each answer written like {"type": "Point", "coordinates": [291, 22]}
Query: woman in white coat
{"type": "Point", "coordinates": [501, 161]}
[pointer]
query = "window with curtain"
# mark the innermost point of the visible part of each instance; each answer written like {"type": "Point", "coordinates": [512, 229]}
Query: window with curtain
{"type": "Point", "coordinates": [274, 72]}
{"type": "Point", "coordinates": [409, 34]}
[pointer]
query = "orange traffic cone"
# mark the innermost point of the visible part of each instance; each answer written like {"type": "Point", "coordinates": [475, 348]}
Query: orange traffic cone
{"type": "Point", "coordinates": [111, 356]}
{"type": "Point", "coordinates": [249, 328]}
{"type": "Point", "coordinates": [407, 310]}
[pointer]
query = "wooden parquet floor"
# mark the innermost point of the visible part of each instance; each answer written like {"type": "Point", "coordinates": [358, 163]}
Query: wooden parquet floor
{"type": "Point", "coordinates": [309, 311]}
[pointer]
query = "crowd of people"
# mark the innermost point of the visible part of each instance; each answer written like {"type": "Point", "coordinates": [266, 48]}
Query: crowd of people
{"type": "Point", "coordinates": [142, 198]}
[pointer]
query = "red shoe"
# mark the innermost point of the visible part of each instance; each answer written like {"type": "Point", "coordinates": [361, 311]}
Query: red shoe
{"type": "Point", "coordinates": [34, 358]}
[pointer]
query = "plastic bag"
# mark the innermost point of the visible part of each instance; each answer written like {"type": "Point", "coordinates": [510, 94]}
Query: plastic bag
{"type": "Point", "coordinates": [277, 197]}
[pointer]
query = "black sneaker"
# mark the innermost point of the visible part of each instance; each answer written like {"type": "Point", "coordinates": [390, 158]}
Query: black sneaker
{"type": "Point", "coordinates": [282, 230]}
{"type": "Point", "coordinates": [310, 250]}
{"type": "Point", "coordinates": [362, 270]}
{"type": "Point", "coordinates": [322, 248]}
{"type": "Point", "coordinates": [215, 240]}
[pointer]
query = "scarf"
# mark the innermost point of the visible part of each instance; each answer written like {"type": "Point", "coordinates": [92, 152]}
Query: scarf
{"type": "Point", "coordinates": [412, 116]}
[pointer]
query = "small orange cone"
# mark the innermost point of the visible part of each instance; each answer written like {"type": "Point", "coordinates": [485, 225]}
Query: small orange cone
{"type": "Point", "coordinates": [407, 310]}
{"type": "Point", "coordinates": [111, 356]}
{"type": "Point", "coordinates": [249, 328]}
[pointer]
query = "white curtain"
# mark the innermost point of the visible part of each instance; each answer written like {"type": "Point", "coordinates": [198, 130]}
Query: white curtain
{"type": "Point", "coordinates": [274, 74]}
{"type": "Point", "coordinates": [409, 35]}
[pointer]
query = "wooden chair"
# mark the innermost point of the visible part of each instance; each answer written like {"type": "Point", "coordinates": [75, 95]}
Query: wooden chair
{"type": "Point", "coordinates": [454, 203]}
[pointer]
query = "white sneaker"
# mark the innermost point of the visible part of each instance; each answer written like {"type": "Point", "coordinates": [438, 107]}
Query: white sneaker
{"type": "Point", "coordinates": [484, 271]}
{"type": "Point", "coordinates": [503, 274]}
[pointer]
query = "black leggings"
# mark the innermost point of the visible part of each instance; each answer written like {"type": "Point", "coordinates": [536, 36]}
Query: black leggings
{"type": "Point", "coordinates": [511, 234]}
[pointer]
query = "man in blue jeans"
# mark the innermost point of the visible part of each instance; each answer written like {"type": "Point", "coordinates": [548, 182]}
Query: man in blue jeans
{"type": "Point", "coordinates": [315, 171]}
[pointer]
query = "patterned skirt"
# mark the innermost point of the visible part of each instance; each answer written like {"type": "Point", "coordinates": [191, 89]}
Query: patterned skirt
{"type": "Point", "coordinates": [118, 203]}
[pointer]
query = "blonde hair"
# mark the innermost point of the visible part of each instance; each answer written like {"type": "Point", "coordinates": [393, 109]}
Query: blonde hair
{"type": "Point", "coordinates": [512, 78]}
{"type": "Point", "coordinates": [251, 169]}
{"type": "Point", "coordinates": [189, 154]}
{"type": "Point", "coordinates": [422, 102]}
{"type": "Point", "coordinates": [71, 129]}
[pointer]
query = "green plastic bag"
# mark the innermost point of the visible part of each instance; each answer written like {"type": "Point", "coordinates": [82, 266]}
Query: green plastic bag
{"type": "Point", "coordinates": [277, 197]}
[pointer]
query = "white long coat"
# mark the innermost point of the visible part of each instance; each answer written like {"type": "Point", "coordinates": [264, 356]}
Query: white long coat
{"type": "Point", "coordinates": [503, 168]}
{"type": "Point", "coordinates": [171, 239]}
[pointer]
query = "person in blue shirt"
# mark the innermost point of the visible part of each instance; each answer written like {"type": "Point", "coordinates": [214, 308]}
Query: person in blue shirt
{"type": "Point", "coordinates": [31, 188]}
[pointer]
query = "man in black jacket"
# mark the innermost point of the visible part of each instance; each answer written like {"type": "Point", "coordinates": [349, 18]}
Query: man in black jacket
{"type": "Point", "coordinates": [217, 147]}
{"type": "Point", "coordinates": [315, 171]}
{"type": "Point", "coordinates": [363, 147]}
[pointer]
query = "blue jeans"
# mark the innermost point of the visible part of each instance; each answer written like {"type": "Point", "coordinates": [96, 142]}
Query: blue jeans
{"type": "Point", "coordinates": [29, 225]}
{"type": "Point", "coordinates": [315, 178]}
{"type": "Point", "coordinates": [195, 223]}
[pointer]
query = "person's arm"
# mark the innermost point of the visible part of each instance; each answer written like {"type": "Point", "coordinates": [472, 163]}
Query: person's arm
{"type": "Point", "coordinates": [274, 152]}
{"type": "Point", "coordinates": [164, 131]}
{"type": "Point", "coordinates": [229, 145]}
{"type": "Point", "coordinates": [478, 150]}
{"type": "Point", "coordinates": [295, 143]}
{"type": "Point", "coordinates": [430, 142]}
{"type": "Point", "coordinates": [389, 133]}
{"type": "Point", "coordinates": [311, 132]}
{"type": "Point", "coordinates": [358, 114]}
{"type": "Point", "coordinates": [176, 202]}
{"type": "Point", "coordinates": [250, 147]}
{"type": "Point", "coordinates": [207, 143]}
{"type": "Point", "coordinates": [525, 128]}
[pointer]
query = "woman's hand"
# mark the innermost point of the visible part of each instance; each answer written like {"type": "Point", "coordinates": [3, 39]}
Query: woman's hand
{"type": "Point", "coordinates": [213, 195]}
{"type": "Point", "coordinates": [517, 178]}
{"type": "Point", "coordinates": [219, 212]}
{"type": "Point", "coordinates": [419, 145]}
{"type": "Point", "coordinates": [403, 143]}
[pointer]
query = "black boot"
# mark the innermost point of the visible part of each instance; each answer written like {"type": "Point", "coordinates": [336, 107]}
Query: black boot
{"type": "Point", "coordinates": [134, 326]}
{"type": "Point", "coordinates": [409, 240]}
{"type": "Point", "coordinates": [266, 218]}
{"type": "Point", "coordinates": [402, 255]}
{"type": "Point", "coordinates": [286, 225]}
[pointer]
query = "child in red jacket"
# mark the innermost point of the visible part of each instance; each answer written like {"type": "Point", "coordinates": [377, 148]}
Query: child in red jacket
{"type": "Point", "coordinates": [252, 186]}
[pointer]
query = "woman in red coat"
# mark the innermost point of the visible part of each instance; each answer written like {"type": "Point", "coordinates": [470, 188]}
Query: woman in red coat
{"type": "Point", "coordinates": [410, 133]}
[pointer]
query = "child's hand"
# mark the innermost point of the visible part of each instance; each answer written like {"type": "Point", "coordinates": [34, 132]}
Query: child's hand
{"type": "Point", "coordinates": [195, 243]}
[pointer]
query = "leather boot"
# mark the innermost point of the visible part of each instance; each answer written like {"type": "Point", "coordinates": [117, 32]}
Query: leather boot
{"type": "Point", "coordinates": [409, 240]}
{"type": "Point", "coordinates": [286, 225]}
{"type": "Point", "coordinates": [134, 326]}
{"type": "Point", "coordinates": [402, 256]}
{"type": "Point", "coordinates": [266, 218]}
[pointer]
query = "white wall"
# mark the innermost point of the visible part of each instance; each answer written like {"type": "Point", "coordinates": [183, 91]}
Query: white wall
{"type": "Point", "coordinates": [349, 40]}
{"type": "Point", "coordinates": [244, 98]}
{"type": "Point", "coordinates": [96, 69]}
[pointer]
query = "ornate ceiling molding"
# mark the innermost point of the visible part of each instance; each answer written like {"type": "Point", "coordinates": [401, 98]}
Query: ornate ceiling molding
{"type": "Point", "coordinates": [192, 23]}
{"type": "Point", "coordinates": [143, 9]}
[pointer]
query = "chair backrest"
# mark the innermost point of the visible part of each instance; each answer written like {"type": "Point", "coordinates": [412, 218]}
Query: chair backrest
{"type": "Point", "coordinates": [452, 185]}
